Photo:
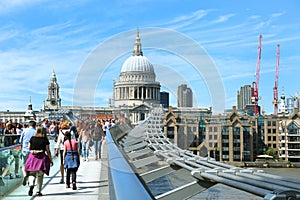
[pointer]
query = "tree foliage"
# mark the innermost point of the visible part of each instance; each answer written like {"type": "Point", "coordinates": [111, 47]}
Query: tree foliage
{"type": "Point", "coordinates": [271, 152]}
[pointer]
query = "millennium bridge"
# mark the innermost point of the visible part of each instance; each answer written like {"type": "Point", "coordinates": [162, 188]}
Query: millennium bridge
{"type": "Point", "coordinates": [141, 163]}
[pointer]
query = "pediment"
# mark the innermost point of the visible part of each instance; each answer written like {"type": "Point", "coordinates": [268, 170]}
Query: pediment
{"type": "Point", "coordinates": [142, 107]}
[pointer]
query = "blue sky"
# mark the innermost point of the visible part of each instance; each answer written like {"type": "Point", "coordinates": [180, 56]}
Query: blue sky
{"type": "Point", "coordinates": [37, 36]}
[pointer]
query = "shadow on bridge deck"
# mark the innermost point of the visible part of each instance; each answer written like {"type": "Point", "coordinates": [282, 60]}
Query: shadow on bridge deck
{"type": "Point", "coordinates": [92, 182]}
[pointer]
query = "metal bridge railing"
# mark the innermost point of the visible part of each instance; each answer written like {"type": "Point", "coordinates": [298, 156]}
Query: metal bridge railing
{"type": "Point", "coordinates": [145, 152]}
{"type": "Point", "coordinates": [126, 183]}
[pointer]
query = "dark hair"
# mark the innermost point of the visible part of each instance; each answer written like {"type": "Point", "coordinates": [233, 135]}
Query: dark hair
{"type": "Point", "coordinates": [68, 135]}
{"type": "Point", "coordinates": [32, 123]}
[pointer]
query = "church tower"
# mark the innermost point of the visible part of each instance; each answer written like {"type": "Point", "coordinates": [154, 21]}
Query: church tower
{"type": "Point", "coordinates": [29, 114]}
{"type": "Point", "coordinates": [53, 101]}
{"type": "Point", "coordinates": [282, 110]}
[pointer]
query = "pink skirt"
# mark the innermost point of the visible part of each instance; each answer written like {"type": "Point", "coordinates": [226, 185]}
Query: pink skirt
{"type": "Point", "coordinates": [37, 162]}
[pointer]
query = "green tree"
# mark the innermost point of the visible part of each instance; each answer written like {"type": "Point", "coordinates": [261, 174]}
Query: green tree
{"type": "Point", "coordinates": [271, 152]}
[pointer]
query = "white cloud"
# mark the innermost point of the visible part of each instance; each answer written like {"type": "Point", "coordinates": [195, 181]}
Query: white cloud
{"type": "Point", "coordinates": [268, 22]}
{"type": "Point", "coordinates": [9, 5]}
{"type": "Point", "coordinates": [185, 20]}
{"type": "Point", "coordinates": [224, 18]}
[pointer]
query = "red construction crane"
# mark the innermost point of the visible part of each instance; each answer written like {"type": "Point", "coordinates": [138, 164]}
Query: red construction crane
{"type": "Point", "coordinates": [255, 84]}
{"type": "Point", "coordinates": [275, 88]}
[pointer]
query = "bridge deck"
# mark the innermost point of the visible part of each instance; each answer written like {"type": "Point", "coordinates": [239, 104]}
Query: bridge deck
{"type": "Point", "coordinates": [92, 178]}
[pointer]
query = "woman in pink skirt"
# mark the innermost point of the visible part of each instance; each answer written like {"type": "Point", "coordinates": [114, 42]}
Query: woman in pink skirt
{"type": "Point", "coordinates": [39, 160]}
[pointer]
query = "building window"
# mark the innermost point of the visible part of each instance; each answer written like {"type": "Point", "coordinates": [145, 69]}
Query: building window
{"type": "Point", "coordinates": [269, 138]}
{"type": "Point", "coordinates": [293, 129]}
{"type": "Point", "coordinates": [170, 132]}
{"type": "Point", "coordinates": [269, 130]}
{"type": "Point", "coordinates": [236, 130]}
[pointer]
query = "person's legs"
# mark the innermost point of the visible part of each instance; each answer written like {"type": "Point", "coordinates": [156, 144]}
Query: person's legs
{"type": "Point", "coordinates": [68, 178]}
{"type": "Point", "coordinates": [74, 175]}
{"type": "Point", "coordinates": [84, 150]}
{"type": "Point", "coordinates": [11, 165]}
{"type": "Point", "coordinates": [61, 166]}
{"type": "Point", "coordinates": [73, 171]}
{"type": "Point", "coordinates": [96, 146]}
{"type": "Point", "coordinates": [16, 155]}
{"type": "Point", "coordinates": [31, 182]}
{"type": "Point", "coordinates": [24, 158]}
{"type": "Point", "coordinates": [40, 177]}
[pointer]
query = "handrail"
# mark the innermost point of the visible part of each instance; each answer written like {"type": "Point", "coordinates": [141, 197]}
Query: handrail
{"type": "Point", "coordinates": [10, 147]}
{"type": "Point", "coordinates": [123, 176]}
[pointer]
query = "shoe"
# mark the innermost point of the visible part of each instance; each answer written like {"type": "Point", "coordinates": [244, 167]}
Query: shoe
{"type": "Point", "coordinates": [25, 178]}
{"type": "Point", "coordinates": [30, 192]}
{"type": "Point", "coordinates": [74, 186]}
{"type": "Point", "coordinates": [11, 176]}
{"type": "Point", "coordinates": [18, 176]}
{"type": "Point", "coordinates": [83, 159]}
{"type": "Point", "coordinates": [68, 186]}
{"type": "Point", "coordinates": [2, 183]}
{"type": "Point", "coordinates": [96, 158]}
{"type": "Point", "coordinates": [87, 159]}
{"type": "Point", "coordinates": [39, 194]}
{"type": "Point", "coordinates": [62, 181]}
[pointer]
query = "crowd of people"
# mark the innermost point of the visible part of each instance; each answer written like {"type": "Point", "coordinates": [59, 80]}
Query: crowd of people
{"type": "Point", "coordinates": [73, 144]}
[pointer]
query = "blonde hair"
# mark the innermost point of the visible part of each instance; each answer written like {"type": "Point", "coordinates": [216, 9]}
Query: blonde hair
{"type": "Point", "coordinates": [65, 125]}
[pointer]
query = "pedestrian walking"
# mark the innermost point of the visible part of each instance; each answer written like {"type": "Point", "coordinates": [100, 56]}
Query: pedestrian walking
{"type": "Point", "coordinates": [85, 137]}
{"type": "Point", "coordinates": [71, 157]}
{"type": "Point", "coordinates": [98, 135]}
{"type": "Point", "coordinates": [53, 128]}
{"type": "Point", "coordinates": [24, 140]}
{"type": "Point", "coordinates": [39, 160]}
{"type": "Point", "coordinates": [59, 146]}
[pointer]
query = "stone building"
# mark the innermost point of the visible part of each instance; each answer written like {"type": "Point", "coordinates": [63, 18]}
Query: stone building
{"type": "Point", "coordinates": [137, 84]}
{"type": "Point", "coordinates": [181, 125]}
{"type": "Point", "coordinates": [53, 101]}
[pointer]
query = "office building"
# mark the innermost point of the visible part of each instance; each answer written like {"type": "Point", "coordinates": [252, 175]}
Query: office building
{"type": "Point", "coordinates": [244, 97]}
{"type": "Point", "coordinates": [184, 96]}
{"type": "Point", "coordinates": [164, 99]}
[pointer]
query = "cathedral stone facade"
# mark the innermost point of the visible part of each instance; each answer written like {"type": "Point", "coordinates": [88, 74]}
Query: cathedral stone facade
{"type": "Point", "coordinates": [137, 84]}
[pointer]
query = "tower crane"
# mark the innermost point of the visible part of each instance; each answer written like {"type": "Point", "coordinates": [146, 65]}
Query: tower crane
{"type": "Point", "coordinates": [255, 84]}
{"type": "Point", "coordinates": [275, 88]}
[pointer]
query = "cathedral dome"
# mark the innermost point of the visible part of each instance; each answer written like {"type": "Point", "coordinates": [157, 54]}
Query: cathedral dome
{"type": "Point", "coordinates": [137, 64]}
